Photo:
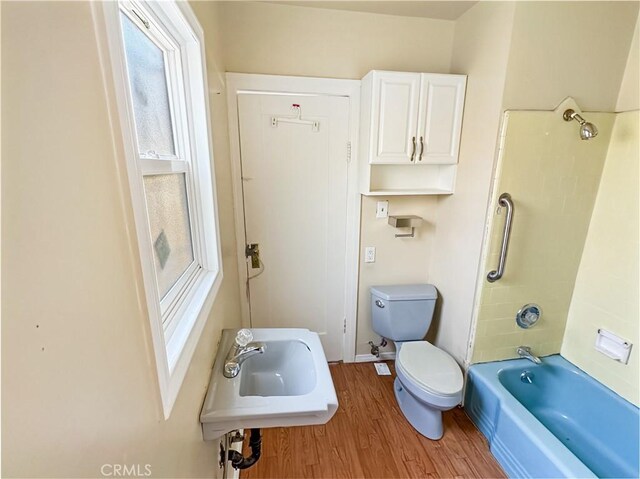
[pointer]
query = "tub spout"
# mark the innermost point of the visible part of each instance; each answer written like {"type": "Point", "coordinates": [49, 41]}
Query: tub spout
{"type": "Point", "coordinates": [525, 352]}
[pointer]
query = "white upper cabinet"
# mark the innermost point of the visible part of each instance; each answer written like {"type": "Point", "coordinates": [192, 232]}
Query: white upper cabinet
{"type": "Point", "coordinates": [396, 119]}
{"type": "Point", "coordinates": [415, 117]}
{"type": "Point", "coordinates": [410, 129]}
{"type": "Point", "coordinates": [440, 117]}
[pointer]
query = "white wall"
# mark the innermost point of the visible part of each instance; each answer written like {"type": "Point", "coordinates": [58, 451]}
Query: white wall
{"type": "Point", "coordinates": [288, 40]}
{"type": "Point", "coordinates": [629, 95]}
{"type": "Point", "coordinates": [480, 49]}
{"type": "Point", "coordinates": [79, 385]}
{"type": "Point", "coordinates": [561, 49]}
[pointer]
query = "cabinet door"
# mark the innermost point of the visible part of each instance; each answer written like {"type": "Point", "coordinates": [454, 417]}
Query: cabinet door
{"type": "Point", "coordinates": [395, 117]}
{"type": "Point", "coordinates": [440, 118]}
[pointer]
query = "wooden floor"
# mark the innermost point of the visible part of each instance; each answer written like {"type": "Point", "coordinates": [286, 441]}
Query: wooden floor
{"type": "Point", "coordinates": [369, 438]}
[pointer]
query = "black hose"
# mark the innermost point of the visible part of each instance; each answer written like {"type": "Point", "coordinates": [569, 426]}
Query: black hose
{"type": "Point", "coordinates": [238, 461]}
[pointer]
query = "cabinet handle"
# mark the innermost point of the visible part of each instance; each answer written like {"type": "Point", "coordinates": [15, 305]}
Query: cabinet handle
{"type": "Point", "coordinates": [421, 149]}
{"type": "Point", "coordinates": [413, 152]}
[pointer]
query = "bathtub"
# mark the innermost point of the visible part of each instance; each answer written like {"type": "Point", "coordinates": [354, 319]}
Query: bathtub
{"type": "Point", "coordinates": [561, 424]}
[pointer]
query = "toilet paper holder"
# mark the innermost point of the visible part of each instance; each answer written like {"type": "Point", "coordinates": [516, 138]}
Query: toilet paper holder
{"type": "Point", "coordinates": [405, 221]}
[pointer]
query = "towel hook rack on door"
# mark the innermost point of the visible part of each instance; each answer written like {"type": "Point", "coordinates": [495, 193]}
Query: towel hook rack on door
{"type": "Point", "coordinates": [504, 201]}
{"type": "Point", "coordinates": [315, 124]}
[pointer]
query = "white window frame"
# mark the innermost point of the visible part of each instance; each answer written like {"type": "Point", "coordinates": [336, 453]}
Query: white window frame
{"type": "Point", "coordinates": [177, 320]}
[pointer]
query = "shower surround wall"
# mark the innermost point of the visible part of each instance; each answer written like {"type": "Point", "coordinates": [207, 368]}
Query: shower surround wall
{"type": "Point", "coordinates": [606, 294]}
{"type": "Point", "coordinates": [553, 177]}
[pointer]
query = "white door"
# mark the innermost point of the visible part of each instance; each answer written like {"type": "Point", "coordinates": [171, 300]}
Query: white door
{"type": "Point", "coordinates": [395, 116]}
{"type": "Point", "coordinates": [294, 178]}
{"type": "Point", "coordinates": [440, 119]}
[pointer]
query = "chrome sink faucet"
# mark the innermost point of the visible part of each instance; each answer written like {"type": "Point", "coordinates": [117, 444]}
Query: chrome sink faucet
{"type": "Point", "coordinates": [241, 350]}
{"type": "Point", "coordinates": [525, 352]}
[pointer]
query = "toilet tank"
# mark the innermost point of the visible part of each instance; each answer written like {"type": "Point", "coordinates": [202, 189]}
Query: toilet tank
{"type": "Point", "coordinates": [402, 312]}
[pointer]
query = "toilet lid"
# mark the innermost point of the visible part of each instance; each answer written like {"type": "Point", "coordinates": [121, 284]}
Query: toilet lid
{"type": "Point", "coordinates": [430, 367]}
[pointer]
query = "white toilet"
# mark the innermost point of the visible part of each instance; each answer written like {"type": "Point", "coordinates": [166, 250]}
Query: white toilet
{"type": "Point", "coordinates": [428, 380]}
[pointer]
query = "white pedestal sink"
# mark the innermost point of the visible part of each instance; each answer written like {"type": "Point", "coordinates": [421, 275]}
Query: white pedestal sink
{"type": "Point", "coordinates": [288, 385]}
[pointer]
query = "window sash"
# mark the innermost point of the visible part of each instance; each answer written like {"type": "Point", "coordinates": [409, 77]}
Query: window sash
{"type": "Point", "coordinates": [159, 164]}
{"type": "Point", "coordinates": [180, 290]}
{"type": "Point", "coordinates": [162, 167]}
{"type": "Point", "coordinates": [170, 51]}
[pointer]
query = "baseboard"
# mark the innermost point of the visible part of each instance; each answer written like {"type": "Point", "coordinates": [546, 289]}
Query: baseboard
{"type": "Point", "coordinates": [369, 358]}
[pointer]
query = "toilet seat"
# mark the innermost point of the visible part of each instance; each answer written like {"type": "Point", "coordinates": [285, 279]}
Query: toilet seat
{"type": "Point", "coordinates": [430, 368]}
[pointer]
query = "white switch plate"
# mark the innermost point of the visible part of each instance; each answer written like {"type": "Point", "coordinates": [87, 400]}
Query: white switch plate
{"type": "Point", "coordinates": [370, 254]}
{"type": "Point", "coordinates": [382, 209]}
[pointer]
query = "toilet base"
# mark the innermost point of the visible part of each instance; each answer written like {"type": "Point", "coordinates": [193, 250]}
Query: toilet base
{"type": "Point", "coordinates": [426, 420]}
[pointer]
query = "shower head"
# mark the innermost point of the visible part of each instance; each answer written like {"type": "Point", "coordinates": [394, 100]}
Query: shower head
{"type": "Point", "coordinates": [587, 130]}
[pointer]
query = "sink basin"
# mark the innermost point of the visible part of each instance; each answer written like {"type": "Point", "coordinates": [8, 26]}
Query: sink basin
{"type": "Point", "coordinates": [284, 369]}
{"type": "Point", "coordinates": [288, 385]}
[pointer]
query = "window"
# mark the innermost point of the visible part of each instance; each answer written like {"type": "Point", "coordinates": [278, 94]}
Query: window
{"type": "Point", "coordinates": [156, 51]}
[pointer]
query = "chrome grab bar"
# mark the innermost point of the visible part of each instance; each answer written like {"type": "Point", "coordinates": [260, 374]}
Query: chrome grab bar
{"type": "Point", "coordinates": [505, 201]}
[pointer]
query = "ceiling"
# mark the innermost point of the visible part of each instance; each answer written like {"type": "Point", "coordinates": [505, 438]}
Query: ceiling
{"type": "Point", "coordinates": [444, 10]}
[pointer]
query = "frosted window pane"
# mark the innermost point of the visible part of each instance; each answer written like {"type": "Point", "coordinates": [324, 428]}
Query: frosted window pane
{"type": "Point", "coordinates": [148, 82]}
{"type": "Point", "coordinates": [169, 226]}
